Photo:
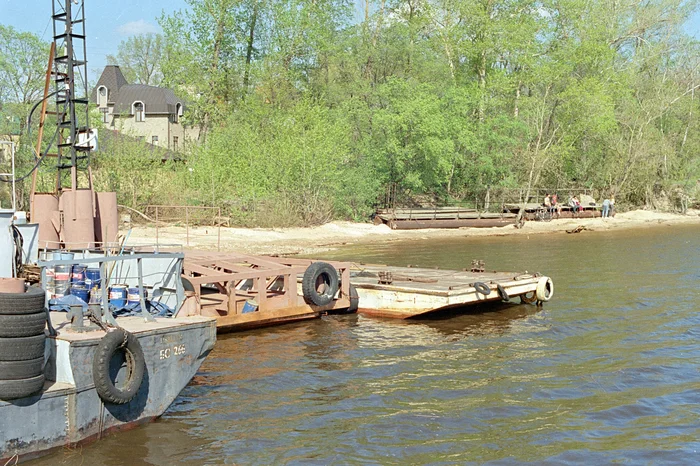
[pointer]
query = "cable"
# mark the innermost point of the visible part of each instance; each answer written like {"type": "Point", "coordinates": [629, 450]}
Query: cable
{"type": "Point", "coordinates": [36, 165]}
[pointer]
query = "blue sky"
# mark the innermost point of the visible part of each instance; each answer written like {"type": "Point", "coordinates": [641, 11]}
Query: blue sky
{"type": "Point", "coordinates": [107, 22]}
{"type": "Point", "coordinates": [110, 22]}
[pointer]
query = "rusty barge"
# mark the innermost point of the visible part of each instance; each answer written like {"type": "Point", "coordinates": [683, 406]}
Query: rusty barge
{"type": "Point", "coordinates": [442, 217]}
{"type": "Point", "coordinates": [243, 291]}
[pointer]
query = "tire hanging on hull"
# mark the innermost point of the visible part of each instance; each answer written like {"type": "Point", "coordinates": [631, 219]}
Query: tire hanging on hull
{"type": "Point", "coordinates": [111, 343]}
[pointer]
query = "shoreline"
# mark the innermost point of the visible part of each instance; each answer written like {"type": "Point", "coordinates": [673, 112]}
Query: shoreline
{"type": "Point", "coordinates": [313, 240]}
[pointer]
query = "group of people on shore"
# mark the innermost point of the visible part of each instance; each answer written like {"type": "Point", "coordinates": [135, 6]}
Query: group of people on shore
{"type": "Point", "coordinates": [554, 207]}
{"type": "Point", "coordinates": [552, 204]}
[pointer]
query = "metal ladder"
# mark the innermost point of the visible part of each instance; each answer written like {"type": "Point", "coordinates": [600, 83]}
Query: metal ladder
{"type": "Point", "coordinates": [71, 86]}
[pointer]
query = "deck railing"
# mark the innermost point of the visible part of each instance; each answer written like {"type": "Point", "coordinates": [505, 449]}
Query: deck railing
{"type": "Point", "coordinates": [191, 216]}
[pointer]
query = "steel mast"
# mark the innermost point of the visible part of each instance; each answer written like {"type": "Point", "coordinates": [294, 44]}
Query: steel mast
{"type": "Point", "coordinates": [71, 85]}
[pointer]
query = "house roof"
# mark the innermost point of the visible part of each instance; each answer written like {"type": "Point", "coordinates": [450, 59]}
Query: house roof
{"type": "Point", "coordinates": [157, 100]}
{"type": "Point", "coordinates": [113, 79]}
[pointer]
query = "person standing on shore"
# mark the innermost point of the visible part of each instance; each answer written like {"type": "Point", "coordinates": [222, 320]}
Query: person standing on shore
{"type": "Point", "coordinates": [606, 208]}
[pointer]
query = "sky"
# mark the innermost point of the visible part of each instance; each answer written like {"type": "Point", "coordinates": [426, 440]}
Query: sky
{"type": "Point", "coordinates": [110, 22]}
{"type": "Point", "coordinates": [107, 23]}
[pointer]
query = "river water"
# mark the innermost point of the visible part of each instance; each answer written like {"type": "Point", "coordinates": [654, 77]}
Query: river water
{"type": "Point", "coordinates": [607, 371]}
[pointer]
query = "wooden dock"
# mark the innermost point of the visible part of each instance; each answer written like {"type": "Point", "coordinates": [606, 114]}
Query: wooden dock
{"type": "Point", "coordinates": [405, 292]}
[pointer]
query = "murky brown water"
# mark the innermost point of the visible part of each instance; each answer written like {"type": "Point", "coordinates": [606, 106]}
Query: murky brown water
{"type": "Point", "coordinates": [609, 370]}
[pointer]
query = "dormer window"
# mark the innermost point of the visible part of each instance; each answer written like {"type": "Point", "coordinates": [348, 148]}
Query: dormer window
{"type": "Point", "coordinates": [139, 111]}
{"type": "Point", "coordinates": [178, 112]}
{"type": "Point", "coordinates": [102, 96]}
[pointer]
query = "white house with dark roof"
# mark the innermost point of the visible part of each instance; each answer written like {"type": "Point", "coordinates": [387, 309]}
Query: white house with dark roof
{"type": "Point", "coordinates": [152, 114]}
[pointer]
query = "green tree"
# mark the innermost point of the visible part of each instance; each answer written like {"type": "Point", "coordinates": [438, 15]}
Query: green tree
{"type": "Point", "coordinates": [139, 58]}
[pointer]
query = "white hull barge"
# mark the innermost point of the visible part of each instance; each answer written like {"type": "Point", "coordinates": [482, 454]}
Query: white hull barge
{"type": "Point", "coordinates": [407, 292]}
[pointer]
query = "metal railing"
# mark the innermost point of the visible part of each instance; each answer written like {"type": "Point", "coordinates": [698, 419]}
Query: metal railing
{"type": "Point", "coordinates": [193, 216]}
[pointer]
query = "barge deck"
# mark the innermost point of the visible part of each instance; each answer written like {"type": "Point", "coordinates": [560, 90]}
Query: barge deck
{"type": "Point", "coordinates": [243, 291]}
{"type": "Point", "coordinates": [408, 292]}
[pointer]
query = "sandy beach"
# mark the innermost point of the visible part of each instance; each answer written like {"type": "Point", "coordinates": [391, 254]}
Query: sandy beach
{"type": "Point", "coordinates": [287, 241]}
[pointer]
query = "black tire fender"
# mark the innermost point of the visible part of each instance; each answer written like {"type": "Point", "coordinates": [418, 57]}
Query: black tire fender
{"type": "Point", "coordinates": [13, 370]}
{"type": "Point", "coordinates": [317, 274]}
{"type": "Point", "coordinates": [22, 349]}
{"type": "Point", "coordinates": [113, 341]}
{"type": "Point", "coordinates": [525, 299]}
{"type": "Point", "coordinates": [354, 300]}
{"type": "Point", "coordinates": [502, 292]}
{"type": "Point", "coordinates": [20, 388]}
{"type": "Point", "coordinates": [30, 302]}
{"type": "Point", "coordinates": [22, 325]}
{"type": "Point", "coordinates": [482, 288]}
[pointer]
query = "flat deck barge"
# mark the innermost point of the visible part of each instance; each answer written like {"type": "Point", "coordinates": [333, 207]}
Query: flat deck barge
{"type": "Point", "coordinates": [406, 292]}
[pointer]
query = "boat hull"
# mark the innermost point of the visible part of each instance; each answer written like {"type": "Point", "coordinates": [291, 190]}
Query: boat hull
{"type": "Point", "coordinates": [69, 411]}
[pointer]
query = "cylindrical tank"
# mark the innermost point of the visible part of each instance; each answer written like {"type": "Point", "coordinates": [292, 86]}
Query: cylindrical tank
{"type": "Point", "coordinates": [45, 213]}
{"type": "Point", "coordinates": [106, 218]}
{"type": "Point", "coordinates": [78, 219]}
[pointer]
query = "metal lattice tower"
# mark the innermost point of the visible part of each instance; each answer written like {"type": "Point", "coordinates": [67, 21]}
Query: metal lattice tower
{"type": "Point", "coordinates": [70, 78]}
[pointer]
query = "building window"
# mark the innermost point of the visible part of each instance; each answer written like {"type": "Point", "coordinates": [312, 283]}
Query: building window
{"type": "Point", "coordinates": [154, 140]}
{"type": "Point", "coordinates": [139, 111]}
{"type": "Point", "coordinates": [175, 141]}
{"type": "Point", "coordinates": [102, 96]}
{"type": "Point", "coordinates": [105, 115]}
{"type": "Point", "coordinates": [178, 112]}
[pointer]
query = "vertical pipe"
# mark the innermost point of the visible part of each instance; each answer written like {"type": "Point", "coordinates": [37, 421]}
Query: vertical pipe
{"type": "Point", "coordinates": [144, 312]}
{"type": "Point", "coordinates": [42, 120]}
{"type": "Point", "coordinates": [179, 289]}
{"type": "Point", "coordinates": [156, 226]}
{"type": "Point", "coordinates": [103, 279]}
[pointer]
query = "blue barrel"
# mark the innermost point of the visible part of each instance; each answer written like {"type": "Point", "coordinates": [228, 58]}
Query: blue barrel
{"type": "Point", "coordinates": [80, 291]}
{"type": "Point", "coordinates": [78, 275]}
{"type": "Point", "coordinates": [117, 295]}
{"type": "Point", "coordinates": [92, 278]}
{"type": "Point", "coordinates": [133, 295]}
{"type": "Point", "coordinates": [249, 306]}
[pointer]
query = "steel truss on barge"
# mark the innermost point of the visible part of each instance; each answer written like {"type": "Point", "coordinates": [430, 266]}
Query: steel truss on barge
{"type": "Point", "coordinates": [244, 291]}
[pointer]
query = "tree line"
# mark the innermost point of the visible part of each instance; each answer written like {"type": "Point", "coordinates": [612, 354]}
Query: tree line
{"type": "Point", "coordinates": [316, 109]}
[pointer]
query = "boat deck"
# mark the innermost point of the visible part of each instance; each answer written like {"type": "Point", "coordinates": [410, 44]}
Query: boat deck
{"type": "Point", "coordinates": [405, 292]}
{"type": "Point", "coordinates": [134, 324]}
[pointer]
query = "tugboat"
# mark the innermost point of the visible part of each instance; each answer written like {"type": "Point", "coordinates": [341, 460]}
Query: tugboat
{"type": "Point", "coordinates": [92, 339]}
{"type": "Point", "coordinates": [72, 377]}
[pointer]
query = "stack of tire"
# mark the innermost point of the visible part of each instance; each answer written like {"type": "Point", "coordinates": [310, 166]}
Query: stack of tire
{"type": "Point", "coordinates": [22, 342]}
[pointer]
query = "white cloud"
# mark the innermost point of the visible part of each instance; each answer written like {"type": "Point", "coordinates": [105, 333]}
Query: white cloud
{"type": "Point", "coordinates": [137, 27]}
